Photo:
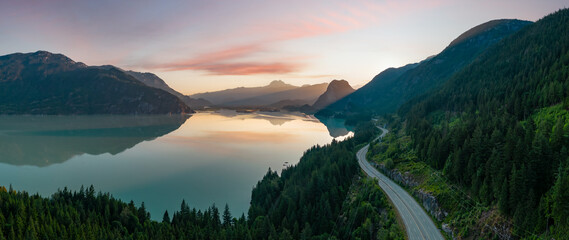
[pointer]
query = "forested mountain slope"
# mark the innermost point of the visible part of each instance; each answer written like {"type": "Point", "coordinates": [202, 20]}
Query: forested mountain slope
{"type": "Point", "coordinates": [500, 127]}
{"type": "Point", "coordinates": [391, 88]}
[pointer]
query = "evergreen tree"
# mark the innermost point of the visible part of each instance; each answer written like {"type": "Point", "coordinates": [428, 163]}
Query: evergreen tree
{"type": "Point", "coordinates": [166, 217]}
{"type": "Point", "coordinates": [560, 197]}
{"type": "Point", "coordinates": [227, 218]}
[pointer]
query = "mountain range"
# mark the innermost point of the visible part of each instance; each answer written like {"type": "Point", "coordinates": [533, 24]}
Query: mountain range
{"type": "Point", "coordinates": [47, 83]}
{"type": "Point", "coordinates": [279, 94]}
{"type": "Point", "coordinates": [274, 94]}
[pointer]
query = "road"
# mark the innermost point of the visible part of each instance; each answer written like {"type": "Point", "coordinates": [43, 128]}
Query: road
{"type": "Point", "coordinates": [417, 223]}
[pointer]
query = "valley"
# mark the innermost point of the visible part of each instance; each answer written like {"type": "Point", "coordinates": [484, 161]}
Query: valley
{"type": "Point", "coordinates": [462, 132]}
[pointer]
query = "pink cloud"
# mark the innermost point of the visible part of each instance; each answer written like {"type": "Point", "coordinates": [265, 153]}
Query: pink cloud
{"type": "Point", "coordinates": [256, 39]}
{"type": "Point", "coordinates": [250, 68]}
{"type": "Point", "coordinates": [210, 58]}
{"type": "Point", "coordinates": [231, 61]}
{"type": "Point", "coordinates": [223, 63]}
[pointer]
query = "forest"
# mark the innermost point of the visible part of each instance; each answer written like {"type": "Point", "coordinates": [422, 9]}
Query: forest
{"type": "Point", "coordinates": [499, 128]}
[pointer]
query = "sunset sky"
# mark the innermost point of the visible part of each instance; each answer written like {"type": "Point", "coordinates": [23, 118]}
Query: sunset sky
{"type": "Point", "coordinates": [205, 45]}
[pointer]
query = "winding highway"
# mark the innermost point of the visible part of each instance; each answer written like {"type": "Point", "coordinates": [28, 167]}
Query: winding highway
{"type": "Point", "coordinates": [418, 224]}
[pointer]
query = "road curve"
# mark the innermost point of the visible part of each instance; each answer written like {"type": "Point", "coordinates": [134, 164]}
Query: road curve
{"type": "Point", "coordinates": [417, 223]}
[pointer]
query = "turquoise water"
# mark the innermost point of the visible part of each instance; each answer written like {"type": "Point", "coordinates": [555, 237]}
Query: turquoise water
{"type": "Point", "coordinates": [209, 157]}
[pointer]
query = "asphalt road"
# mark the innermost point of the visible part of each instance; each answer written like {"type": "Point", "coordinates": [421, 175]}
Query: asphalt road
{"type": "Point", "coordinates": [417, 223]}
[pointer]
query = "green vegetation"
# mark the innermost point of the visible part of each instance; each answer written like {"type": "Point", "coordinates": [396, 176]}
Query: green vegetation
{"type": "Point", "coordinates": [492, 143]}
{"type": "Point", "coordinates": [322, 197]}
{"type": "Point", "coordinates": [367, 214]}
{"type": "Point", "coordinates": [89, 215]}
{"type": "Point", "coordinates": [308, 196]}
{"type": "Point", "coordinates": [468, 217]}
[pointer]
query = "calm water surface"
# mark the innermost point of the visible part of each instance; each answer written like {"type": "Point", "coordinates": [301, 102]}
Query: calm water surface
{"type": "Point", "coordinates": [159, 160]}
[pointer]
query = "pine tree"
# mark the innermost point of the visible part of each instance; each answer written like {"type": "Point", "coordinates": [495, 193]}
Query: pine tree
{"type": "Point", "coordinates": [166, 217]}
{"type": "Point", "coordinates": [561, 197]}
{"type": "Point", "coordinates": [227, 218]}
{"type": "Point", "coordinates": [143, 215]}
{"type": "Point", "coordinates": [306, 232]}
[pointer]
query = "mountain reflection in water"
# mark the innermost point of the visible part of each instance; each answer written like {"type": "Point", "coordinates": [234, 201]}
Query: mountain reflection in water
{"type": "Point", "coordinates": [44, 140]}
{"type": "Point", "coordinates": [210, 157]}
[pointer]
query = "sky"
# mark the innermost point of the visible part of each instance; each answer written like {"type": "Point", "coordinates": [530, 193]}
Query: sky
{"type": "Point", "coordinates": [207, 45]}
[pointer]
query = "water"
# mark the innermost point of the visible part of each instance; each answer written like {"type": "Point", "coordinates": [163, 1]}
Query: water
{"type": "Point", "coordinates": [159, 160]}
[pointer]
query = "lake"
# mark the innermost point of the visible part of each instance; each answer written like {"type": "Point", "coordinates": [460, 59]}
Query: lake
{"type": "Point", "coordinates": [206, 158]}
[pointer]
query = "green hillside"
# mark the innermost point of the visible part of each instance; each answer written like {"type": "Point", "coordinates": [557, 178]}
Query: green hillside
{"type": "Point", "coordinates": [499, 128]}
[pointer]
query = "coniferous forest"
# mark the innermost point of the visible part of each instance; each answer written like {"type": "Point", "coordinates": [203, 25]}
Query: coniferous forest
{"type": "Point", "coordinates": [499, 130]}
{"type": "Point", "coordinates": [499, 127]}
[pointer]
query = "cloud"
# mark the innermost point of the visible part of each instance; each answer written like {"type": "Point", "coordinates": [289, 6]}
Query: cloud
{"type": "Point", "coordinates": [219, 56]}
{"type": "Point", "coordinates": [261, 38]}
{"type": "Point", "coordinates": [246, 46]}
{"type": "Point", "coordinates": [223, 63]}
{"type": "Point", "coordinates": [250, 68]}
{"type": "Point", "coordinates": [233, 60]}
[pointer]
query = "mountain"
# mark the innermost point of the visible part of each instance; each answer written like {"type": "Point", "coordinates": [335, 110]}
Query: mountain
{"type": "Point", "coordinates": [306, 94]}
{"type": "Point", "coordinates": [277, 93]}
{"type": "Point", "coordinates": [46, 83]}
{"type": "Point", "coordinates": [235, 94]}
{"type": "Point", "coordinates": [151, 80]}
{"type": "Point", "coordinates": [337, 89]}
{"type": "Point", "coordinates": [287, 102]}
{"type": "Point", "coordinates": [499, 129]}
{"type": "Point", "coordinates": [392, 87]}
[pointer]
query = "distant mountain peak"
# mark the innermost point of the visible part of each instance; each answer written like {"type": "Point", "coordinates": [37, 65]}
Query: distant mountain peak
{"type": "Point", "coordinates": [339, 84]}
{"type": "Point", "coordinates": [278, 83]}
{"type": "Point", "coordinates": [42, 57]}
{"type": "Point", "coordinates": [337, 89]}
{"type": "Point", "coordinates": [42, 53]}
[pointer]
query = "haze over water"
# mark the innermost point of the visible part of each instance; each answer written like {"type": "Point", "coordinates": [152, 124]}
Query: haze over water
{"type": "Point", "coordinates": [160, 160]}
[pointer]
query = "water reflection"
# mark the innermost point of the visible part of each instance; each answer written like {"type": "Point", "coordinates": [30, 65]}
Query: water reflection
{"type": "Point", "coordinates": [160, 160]}
{"type": "Point", "coordinates": [45, 140]}
{"type": "Point", "coordinates": [275, 118]}
{"type": "Point", "coordinates": [335, 127]}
